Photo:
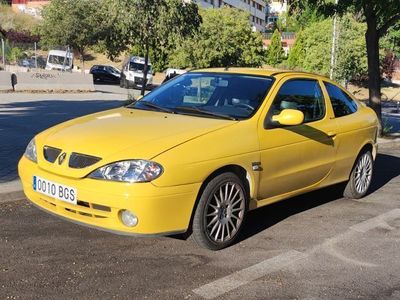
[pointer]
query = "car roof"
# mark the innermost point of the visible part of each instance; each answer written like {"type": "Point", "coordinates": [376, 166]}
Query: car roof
{"type": "Point", "coordinates": [102, 66]}
{"type": "Point", "coordinates": [60, 53]}
{"type": "Point", "coordinates": [261, 72]}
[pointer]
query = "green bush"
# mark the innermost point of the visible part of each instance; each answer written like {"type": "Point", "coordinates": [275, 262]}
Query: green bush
{"type": "Point", "coordinates": [312, 50]}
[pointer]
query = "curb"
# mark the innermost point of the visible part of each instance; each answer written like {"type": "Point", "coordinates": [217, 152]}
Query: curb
{"type": "Point", "coordinates": [11, 191]}
{"type": "Point", "coordinates": [12, 196]}
{"type": "Point", "coordinates": [387, 143]}
{"type": "Point", "coordinates": [14, 190]}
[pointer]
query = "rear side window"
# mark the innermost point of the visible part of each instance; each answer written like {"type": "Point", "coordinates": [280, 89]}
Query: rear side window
{"type": "Point", "coordinates": [342, 104]}
{"type": "Point", "coordinates": [302, 94]}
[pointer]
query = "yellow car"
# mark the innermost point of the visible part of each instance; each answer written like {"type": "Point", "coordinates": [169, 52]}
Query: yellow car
{"type": "Point", "coordinates": [201, 151]}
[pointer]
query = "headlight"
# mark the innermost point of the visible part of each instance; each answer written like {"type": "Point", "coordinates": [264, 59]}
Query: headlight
{"type": "Point", "coordinates": [30, 151]}
{"type": "Point", "coordinates": [129, 171]}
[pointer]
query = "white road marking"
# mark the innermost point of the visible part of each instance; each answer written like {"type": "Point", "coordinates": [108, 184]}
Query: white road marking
{"type": "Point", "coordinates": [329, 248]}
{"type": "Point", "coordinates": [242, 277]}
{"type": "Point", "coordinates": [379, 221]}
{"type": "Point", "coordinates": [245, 276]}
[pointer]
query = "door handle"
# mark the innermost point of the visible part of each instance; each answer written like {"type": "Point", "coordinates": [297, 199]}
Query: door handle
{"type": "Point", "coordinates": [331, 134]}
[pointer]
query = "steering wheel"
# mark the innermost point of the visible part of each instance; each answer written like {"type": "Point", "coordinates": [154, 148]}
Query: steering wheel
{"type": "Point", "coordinates": [244, 105]}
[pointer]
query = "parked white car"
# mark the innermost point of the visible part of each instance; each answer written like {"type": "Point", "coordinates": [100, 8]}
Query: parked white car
{"type": "Point", "coordinates": [60, 60]}
{"type": "Point", "coordinates": [132, 73]}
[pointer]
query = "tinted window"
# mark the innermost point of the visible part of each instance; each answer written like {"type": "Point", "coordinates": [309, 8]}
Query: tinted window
{"type": "Point", "coordinates": [234, 95]}
{"type": "Point", "coordinates": [303, 95]}
{"type": "Point", "coordinates": [342, 104]}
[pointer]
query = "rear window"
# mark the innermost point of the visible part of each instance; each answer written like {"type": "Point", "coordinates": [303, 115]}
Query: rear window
{"type": "Point", "coordinates": [342, 103]}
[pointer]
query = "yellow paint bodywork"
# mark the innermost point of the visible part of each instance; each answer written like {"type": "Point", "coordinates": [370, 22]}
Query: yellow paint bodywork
{"type": "Point", "coordinates": [294, 159]}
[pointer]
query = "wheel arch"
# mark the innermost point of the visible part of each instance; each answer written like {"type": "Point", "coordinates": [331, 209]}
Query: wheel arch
{"type": "Point", "coordinates": [368, 146]}
{"type": "Point", "coordinates": [243, 174]}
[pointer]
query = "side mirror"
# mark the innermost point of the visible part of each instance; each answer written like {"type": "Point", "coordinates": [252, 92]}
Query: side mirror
{"type": "Point", "coordinates": [289, 117]}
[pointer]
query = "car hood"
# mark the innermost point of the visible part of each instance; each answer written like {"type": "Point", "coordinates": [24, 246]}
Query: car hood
{"type": "Point", "coordinates": [120, 134]}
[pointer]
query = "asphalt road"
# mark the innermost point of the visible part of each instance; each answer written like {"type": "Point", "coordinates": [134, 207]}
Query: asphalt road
{"type": "Point", "coordinates": [316, 246]}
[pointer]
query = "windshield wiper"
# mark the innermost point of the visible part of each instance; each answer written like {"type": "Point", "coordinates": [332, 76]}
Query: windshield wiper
{"type": "Point", "coordinates": [153, 105]}
{"type": "Point", "coordinates": [195, 109]}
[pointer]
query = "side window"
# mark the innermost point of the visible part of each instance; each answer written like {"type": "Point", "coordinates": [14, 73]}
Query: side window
{"type": "Point", "coordinates": [342, 104]}
{"type": "Point", "coordinates": [301, 94]}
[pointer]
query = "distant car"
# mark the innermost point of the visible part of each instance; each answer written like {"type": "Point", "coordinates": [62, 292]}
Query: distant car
{"type": "Point", "coordinates": [106, 74]}
{"type": "Point", "coordinates": [27, 63]}
{"type": "Point", "coordinates": [171, 73]}
{"type": "Point", "coordinates": [33, 62]}
{"type": "Point", "coordinates": [60, 60]}
{"type": "Point", "coordinates": [197, 153]}
{"type": "Point", "coordinates": [132, 73]}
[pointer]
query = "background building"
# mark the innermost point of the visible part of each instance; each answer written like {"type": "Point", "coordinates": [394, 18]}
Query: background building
{"type": "Point", "coordinates": [256, 8]}
{"type": "Point", "coordinates": [273, 10]}
{"type": "Point", "coordinates": [32, 7]}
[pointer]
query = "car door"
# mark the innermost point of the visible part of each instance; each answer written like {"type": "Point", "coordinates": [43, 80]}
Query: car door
{"type": "Point", "coordinates": [296, 157]}
{"type": "Point", "coordinates": [353, 130]}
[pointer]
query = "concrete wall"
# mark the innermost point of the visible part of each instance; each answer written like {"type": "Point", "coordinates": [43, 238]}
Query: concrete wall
{"type": "Point", "coordinates": [54, 81]}
{"type": "Point", "coordinates": [5, 81]}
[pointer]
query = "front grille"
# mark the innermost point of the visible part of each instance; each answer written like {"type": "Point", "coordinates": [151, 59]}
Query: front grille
{"type": "Point", "coordinates": [50, 153]}
{"type": "Point", "coordinates": [138, 80]}
{"type": "Point", "coordinates": [82, 208]}
{"type": "Point", "coordinates": [80, 161]}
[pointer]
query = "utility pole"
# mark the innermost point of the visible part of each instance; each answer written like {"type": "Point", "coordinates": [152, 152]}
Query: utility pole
{"type": "Point", "coordinates": [3, 54]}
{"type": "Point", "coordinates": [333, 51]}
{"type": "Point", "coordinates": [35, 56]}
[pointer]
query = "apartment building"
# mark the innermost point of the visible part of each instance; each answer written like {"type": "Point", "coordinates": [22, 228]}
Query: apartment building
{"type": "Point", "coordinates": [274, 9]}
{"type": "Point", "coordinates": [256, 9]}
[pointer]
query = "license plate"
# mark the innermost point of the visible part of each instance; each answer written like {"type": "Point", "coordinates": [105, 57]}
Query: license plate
{"type": "Point", "coordinates": [55, 190]}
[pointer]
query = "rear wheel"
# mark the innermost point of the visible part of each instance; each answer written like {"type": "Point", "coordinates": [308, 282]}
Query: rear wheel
{"type": "Point", "coordinates": [220, 212]}
{"type": "Point", "coordinates": [360, 177]}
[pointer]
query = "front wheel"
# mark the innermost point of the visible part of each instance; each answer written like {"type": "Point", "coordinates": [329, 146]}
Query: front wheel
{"type": "Point", "coordinates": [360, 177]}
{"type": "Point", "coordinates": [220, 212]}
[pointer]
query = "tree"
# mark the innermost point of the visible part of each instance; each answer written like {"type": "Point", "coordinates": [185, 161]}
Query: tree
{"type": "Point", "coordinates": [152, 25]}
{"type": "Point", "coordinates": [74, 23]}
{"type": "Point", "coordinates": [312, 49]}
{"type": "Point", "coordinates": [297, 53]}
{"type": "Point", "coordinates": [224, 39]}
{"type": "Point", "coordinates": [275, 50]}
{"type": "Point", "coordinates": [351, 61]}
{"type": "Point", "coordinates": [379, 16]}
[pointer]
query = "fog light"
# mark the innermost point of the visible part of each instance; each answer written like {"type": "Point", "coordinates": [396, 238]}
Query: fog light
{"type": "Point", "coordinates": [128, 218]}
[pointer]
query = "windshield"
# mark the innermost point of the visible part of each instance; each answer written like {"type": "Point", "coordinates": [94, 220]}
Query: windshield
{"type": "Point", "coordinates": [59, 60]}
{"type": "Point", "coordinates": [232, 96]}
{"type": "Point", "coordinates": [136, 67]}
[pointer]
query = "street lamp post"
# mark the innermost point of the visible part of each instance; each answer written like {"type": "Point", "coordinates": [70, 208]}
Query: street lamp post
{"type": "Point", "coordinates": [333, 51]}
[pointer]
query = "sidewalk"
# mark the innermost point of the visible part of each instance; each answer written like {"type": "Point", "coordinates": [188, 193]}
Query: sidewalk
{"type": "Point", "coordinates": [12, 190]}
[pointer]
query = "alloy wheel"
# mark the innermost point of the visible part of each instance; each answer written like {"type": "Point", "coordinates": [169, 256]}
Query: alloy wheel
{"type": "Point", "coordinates": [225, 212]}
{"type": "Point", "coordinates": [363, 173]}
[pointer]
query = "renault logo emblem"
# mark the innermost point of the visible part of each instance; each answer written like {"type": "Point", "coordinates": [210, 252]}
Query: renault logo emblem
{"type": "Point", "coordinates": [61, 158]}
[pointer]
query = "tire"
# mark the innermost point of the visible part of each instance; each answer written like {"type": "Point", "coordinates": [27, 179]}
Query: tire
{"type": "Point", "coordinates": [220, 213]}
{"type": "Point", "coordinates": [360, 177]}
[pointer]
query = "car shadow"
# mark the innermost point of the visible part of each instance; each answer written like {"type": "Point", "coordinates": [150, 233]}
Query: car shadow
{"type": "Point", "coordinates": [20, 121]}
{"type": "Point", "coordinates": [387, 167]}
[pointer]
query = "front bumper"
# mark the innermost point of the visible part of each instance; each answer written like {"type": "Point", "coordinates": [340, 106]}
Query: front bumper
{"type": "Point", "coordinates": [138, 84]}
{"type": "Point", "coordinates": [160, 210]}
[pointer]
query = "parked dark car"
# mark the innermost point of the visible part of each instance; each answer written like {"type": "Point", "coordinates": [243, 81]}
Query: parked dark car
{"type": "Point", "coordinates": [106, 74]}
